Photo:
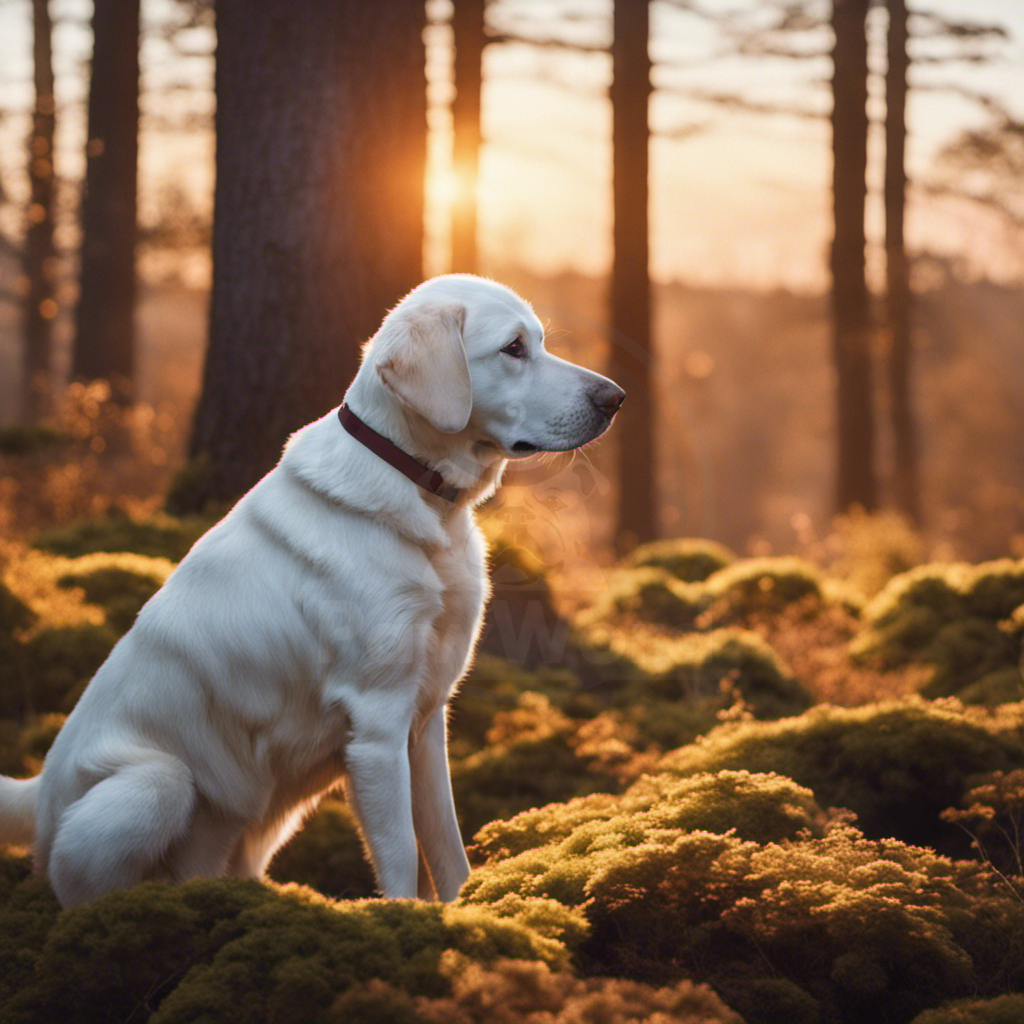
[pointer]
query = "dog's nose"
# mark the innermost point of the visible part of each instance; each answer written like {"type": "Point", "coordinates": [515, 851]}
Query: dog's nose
{"type": "Point", "coordinates": [607, 397]}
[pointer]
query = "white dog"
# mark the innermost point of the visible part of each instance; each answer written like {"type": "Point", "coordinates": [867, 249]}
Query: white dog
{"type": "Point", "coordinates": [316, 634]}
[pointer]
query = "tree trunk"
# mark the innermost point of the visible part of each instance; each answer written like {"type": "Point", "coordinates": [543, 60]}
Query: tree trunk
{"type": "Point", "coordinates": [855, 477]}
{"type": "Point", "coordinates": [632, 355]}
{"type": "Point", "coordinates": [318, 217]}
{"type": "Point", "coordinates": [39, 261]}
{"type": "Point", "coordinates": [104, 330]}
{"type": "Point", "coordinates": [907, 480]}
{"type": "Point", "coordinates": [468, 30]}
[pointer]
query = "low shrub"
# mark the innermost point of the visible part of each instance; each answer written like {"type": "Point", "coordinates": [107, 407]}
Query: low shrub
{"type": "Point", "coordinates": [992, 814]}
{"type": "Point", "coordinates": [896, 765]}
{"type": "Point", "coordinates": [690, 560]}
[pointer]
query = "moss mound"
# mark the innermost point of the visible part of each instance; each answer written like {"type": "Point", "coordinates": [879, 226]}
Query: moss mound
{"type": "Point", "coordinates": [756, 586]}
{"type": "Point", "coordinates": [650, 594]}
{"type": "Point", "coordinates": [690, 560]}
{"type": "Point", "coordinates": [1007, 1009]}
{"type": "Point", "coordinates": [733, 664]}
{"type": "Point", "coordinates": [957, 619]}
{"type": "Point", "coordinates": [231, 951]}
{"type": "Point", "coordinates": [896, 765]}
{"type": "Point", "coordinates": [824, 925]}
{"type": "Point", "coordinates": [529, 759]}
{"type": "Point", "coordinates": [161, 537]}
{"type": "Point", "coordinates": [121, 590]}
{"type": "Point", "coordinates": [765, 808]}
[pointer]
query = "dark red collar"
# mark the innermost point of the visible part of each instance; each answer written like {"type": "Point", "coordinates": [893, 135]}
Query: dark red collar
{"type": "Point", "coordinates": [427, 478]}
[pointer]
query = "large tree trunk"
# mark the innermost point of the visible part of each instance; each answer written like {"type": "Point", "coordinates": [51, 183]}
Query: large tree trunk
{"type": "Point", "coordinates": [468, 31]}
{"type": "Point", "coordinates": [105, 330]}
{"type": "Point", "coordinates": [855, 476]}
{"type": "Point", "coordinates": [632, 355]}
{"type": "Point", "coordinates": [907, 482]}
{"type": "Point", "coordinates": [39, 263]}
{"type": "Point", "coordinates": [318, 216]}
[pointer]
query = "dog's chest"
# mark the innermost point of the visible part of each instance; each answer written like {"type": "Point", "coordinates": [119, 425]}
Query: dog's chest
{"type": "Point", "coordinates": [462, 574]}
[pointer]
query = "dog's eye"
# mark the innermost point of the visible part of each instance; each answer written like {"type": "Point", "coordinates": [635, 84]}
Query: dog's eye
{"type": "Point", "coordinates": [516, 349]}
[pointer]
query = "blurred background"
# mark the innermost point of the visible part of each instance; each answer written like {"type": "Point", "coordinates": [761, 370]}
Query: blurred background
{"type": "Point", "coordinates": [794, 231]}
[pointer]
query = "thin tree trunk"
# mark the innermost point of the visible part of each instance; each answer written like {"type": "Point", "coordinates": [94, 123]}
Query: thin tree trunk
{"type": "Point", "coordinates": [855, 476]}
{"type": "Point", "coordinates": [632, 355]}
{"type": "Point", "coordinates": [907, 482]}
{"type": "Point", "coordinates": [39, 262]}
{"type": "Point", "coordinates": [318, 217]}
{"type": "Point", "coordinates": [468, 30]}
{"type": "Point", "coordinates": [104, 344]}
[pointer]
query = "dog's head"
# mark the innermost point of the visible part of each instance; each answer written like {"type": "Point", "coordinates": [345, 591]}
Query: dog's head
{"type": "Point", "coordinates": [467, 356]}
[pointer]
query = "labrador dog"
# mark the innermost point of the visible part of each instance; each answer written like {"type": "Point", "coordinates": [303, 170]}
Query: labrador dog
{"type": "Point", "coordinates": [316, 635]}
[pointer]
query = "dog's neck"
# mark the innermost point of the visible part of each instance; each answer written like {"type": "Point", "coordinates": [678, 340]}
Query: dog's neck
{"type": "Point", "coordinates": [473, 469]}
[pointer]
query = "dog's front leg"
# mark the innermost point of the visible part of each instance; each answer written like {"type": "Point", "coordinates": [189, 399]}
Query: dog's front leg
{"type": "Point", "coordinates": [379, 792]}
{"type": "Point", "coordinates": [433, 807]}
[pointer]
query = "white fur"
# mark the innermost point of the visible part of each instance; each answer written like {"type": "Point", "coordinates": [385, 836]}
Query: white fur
{"type": "Point", "coordinates": [316, 634]}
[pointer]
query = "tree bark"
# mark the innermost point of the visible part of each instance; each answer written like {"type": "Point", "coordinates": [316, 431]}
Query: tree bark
{"type": "Point", "coordinates": [855, 475]}
{"type": "Point", "coordinates": [39, 261]}
{"type": "Point", "coordinates": [468, 30]}
{"type": "Point", "coordinates": [899, 299]}
{"type": "Point", "coordinates": [318, 217]}
{"type": "Point", "coordinates": [104, 344]}
{"type": "Point", "coordinates": [632, 355]}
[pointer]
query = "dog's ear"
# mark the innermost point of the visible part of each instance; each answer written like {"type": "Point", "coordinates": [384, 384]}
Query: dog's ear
{"type": "Point", "coordinates": [426, 366]}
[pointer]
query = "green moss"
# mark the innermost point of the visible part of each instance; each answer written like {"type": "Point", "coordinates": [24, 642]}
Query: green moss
{"type": "Point", "coordinates": [28, 911]}
{"type": "Point", "coordinates": [38, 735]}
{"type": "Point", "coordinates": [528, 761]}
{"type": "Point", "coordinates": [15, 615]}
{"type": "Point", "coordinates": [958, 619]}
{"type": "Point", "coordinates": [59, 663]}
{"type": "Point", "coordinates": [896, 765]}
{"type": "Point", "coordinates": [228, 950]}
{"type": "Point", "coordinates": [120, 591]}
{"type": "Point", "coordinates": [28, 440]}
{"type": "Point", "coordinates": [762, 585]}
{"type": "Point", "coordinates": [767, 808]}
{"type": "Point", "coordinates": [651, 595]}
{"type": "Point", "coordinates": [690, 560]}
{"type": "Point", "coordinates": [161, 537]}
{"type": "Point", "coordinates": [512, 992]}
{"type": "Point", "coordinates": [730, 663]}
{"type": "Point", "coordinates": [1004, 686]}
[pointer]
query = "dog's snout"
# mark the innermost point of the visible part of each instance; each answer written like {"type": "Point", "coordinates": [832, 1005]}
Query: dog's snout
{"type": "Point", "coordinates": [607, 397]}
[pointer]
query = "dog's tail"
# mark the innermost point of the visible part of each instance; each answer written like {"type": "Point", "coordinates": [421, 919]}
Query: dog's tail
{"type": "Point", "coordinates": [18, 810]}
